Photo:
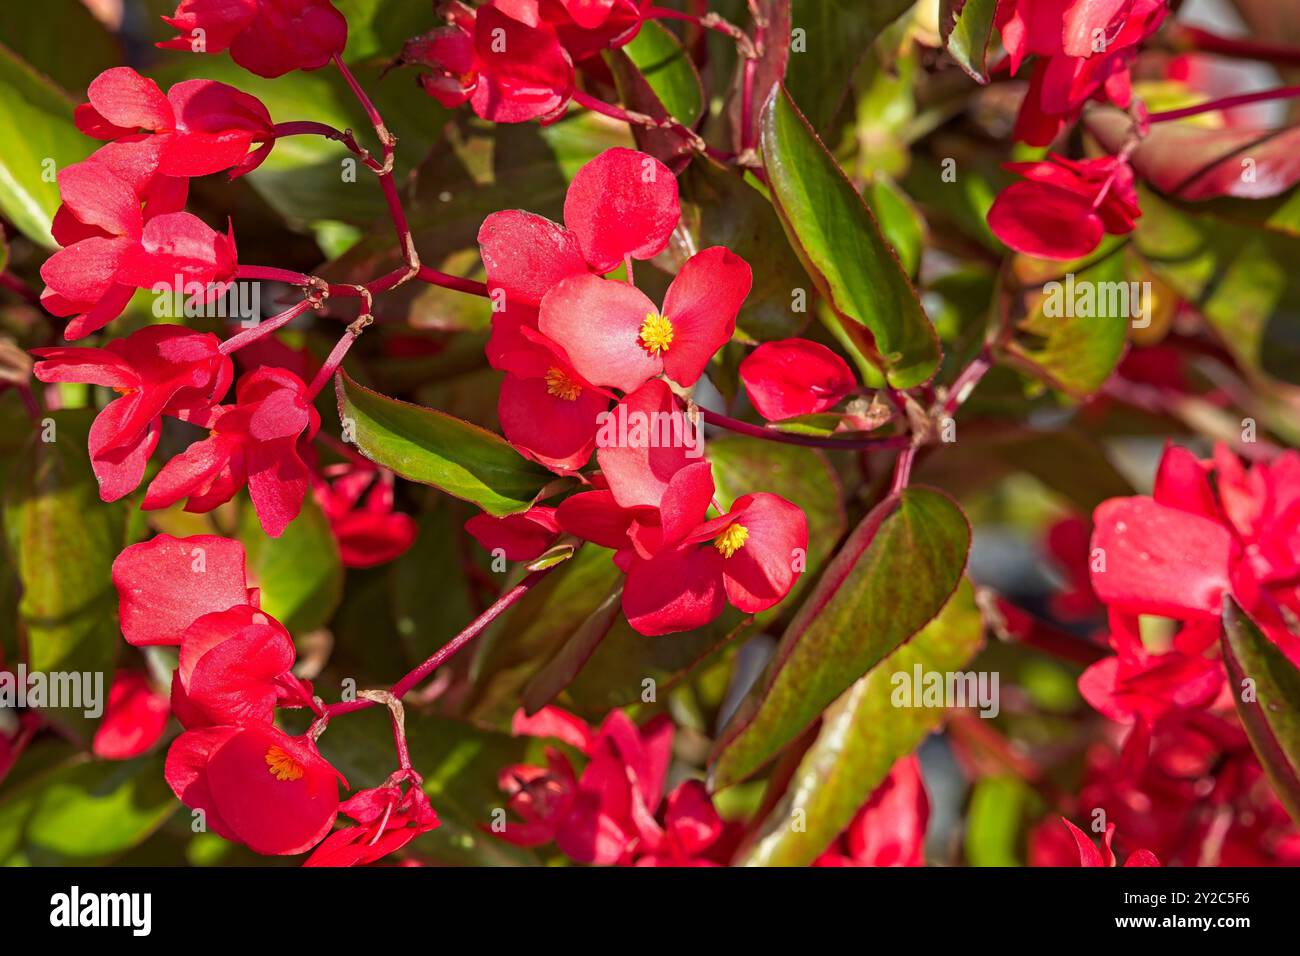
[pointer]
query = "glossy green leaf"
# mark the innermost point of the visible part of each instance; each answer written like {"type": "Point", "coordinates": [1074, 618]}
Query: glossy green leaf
{"type": "Point", "coordinates": [967, 28]}
{"type": "Point", "coordinates": [895, 572]}
{"type": "Point", "coordinates": [722, 209]}
{"type": "Point", "coordinates": [1257, 669]}
{"type": "Point", "coordinates": [669, 72]}
{"type": "Point", "coordinates": [1076, 352]}
{"type": "Point", "coordinates": [299, 573]}
{"type": "Point", "coordinates": [861, 736]}
{"type": "Point", "coordinates": [83, 810]}
{"type": "Point", "coordinates": [843, 249]}
{"type": "Point", "coordinates": [30, 160]}
{"type": "Point", "coordinates": [434, 448]}
{"type": "Point", "coordinates": [828, 40]}
{"type": "Point", "coordinates": [62, 541]}
{"type": "Point", "coordinates": [1240, 278]}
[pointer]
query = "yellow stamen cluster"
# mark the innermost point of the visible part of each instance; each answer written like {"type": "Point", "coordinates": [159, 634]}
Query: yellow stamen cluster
{"type": "Point", "coordinates": [731, 540]}
{"type": "Point", "coordinates": [561, 386]}
{"type": "Point", "coordinates": [282, 766]}
{"type": "Point", "coordinates": [656, 332]}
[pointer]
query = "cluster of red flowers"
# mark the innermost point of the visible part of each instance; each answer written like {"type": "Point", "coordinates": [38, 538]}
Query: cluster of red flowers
{"type": "Point", "coordinates": [1178, 775]}
{"type": "Point", "coordinates": [1082, 51]}
{"type": "Point", "coordinates": [615, 813]}
{"type": "Point", "coordinates": [572, 343]}
{"type": "Point", "coordinates": [514, 60]}
{"type": "Point", "coordinates": [254, 783]}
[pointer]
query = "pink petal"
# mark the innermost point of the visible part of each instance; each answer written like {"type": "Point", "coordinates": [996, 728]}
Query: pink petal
{"type": "Point", "coordinates": [598, 324]}
{"type": "Point", "coordinates": [622, 203]}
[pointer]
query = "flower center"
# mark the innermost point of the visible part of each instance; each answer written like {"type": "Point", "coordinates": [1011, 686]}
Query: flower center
{"type": "Point", "coordinates": [282, 766]}
{"type": "Point", "coordinates": [731, 540]}
{"type": "Point", "coordinates": [560, 385]}
{"type": "Point", "coordinates": [656, 332]}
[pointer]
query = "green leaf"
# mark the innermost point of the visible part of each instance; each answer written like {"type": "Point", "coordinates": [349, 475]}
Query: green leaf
{"type": "Point", "coordinates": [896, 571]}
{"type": "Point", "coordinates": [829, 38]}
{"type": "Point", "coordinates": [459, 763]}
{"type": "Point", "coordinates": [378, 28]}
{"type": "Point", "coordinates": [722, 209]}
{"type": "Point", "coordinates": [967, 29]}
{"type": "Point", "coordinates": [1272, 718]}
{"type": "Point", "coordinates": [998, 806]}
{"type": "Point", "coordinates": [48, 141]}
{"type": "Point", "coordinates": [660, 59]}
{"type": "Point", "coordinates": [299, 573]}
{"type": "Point", "coordinates": [557, 673]}
{"type": "Point", "coordinates": [425, 625]}
{"type": "Point", "coordinates": [1075, 353]}
{"type": "Point", "coordinates": [62, 541]}
{"type": "Point", "coordinates": [843, 249]}
{"type": "Point", "coordinates": [85, 810]}
{"type": "Point", "coordinates": [26, 27]}
{"type": "Point", "coordinates": [861, 737]}
{"type": "Point", "coordinates": [1238, 277]}
{"type": "Point", "coordinates": [433, 448]}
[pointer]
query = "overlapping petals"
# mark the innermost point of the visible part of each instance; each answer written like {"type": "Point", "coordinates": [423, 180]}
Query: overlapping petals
{"type": "Point", "coordinates": [266, 37]}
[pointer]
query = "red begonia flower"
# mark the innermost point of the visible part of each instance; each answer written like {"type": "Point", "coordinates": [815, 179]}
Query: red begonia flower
{"type": "Point", "coordinates": [621, 204]}
{"type": "Point", "coordinates": [1084, 50]}
{"type": "Point", "coordinates": [748, 556]}
{"type": "Point", "coordinates": [254, 441]}
{"type": "Point", "coordinates": [520, 537]}
{"type": "Point", "coordinates": [199, 127]}
{"type": "Point", "coordinates": [1089, 855]}
{"type": "Point", "coordinates": [502, 59]}
{"type": "Point", "coordinates": [596, 517]}
{"type": "Point", "coordinates": [1064, 206]}
{"type": "Point", "coordinates": [369, 531]}
{"type": "Point", "coordinates": [889, 829]}
{"type": "Point", "coordinates": [1067, 544]}
{"type": "Point", "coordinates": [119, 249]}
{"type": "Point", "coordinates": [158, 370]}
{"type": "Point", "coordinates": [165, 584]}
{"type": "Point", "coordinates": [387, 819]}
{"type": "Point", "coordinates": [547, 410]}
{"type": "Point", "coordinates": [615, 336]}
{"type": "Point", "coordinates": [234, 666]}
{"type": "Point", "coordinates": [597, 817]}
{"type": "Point", "coordinates": [266, 37]}
{"type": "Point", "coordinates": [795, 377]}
{"type": "Point", "coordinates": [256, 785]}
{"type": "Point", "coordinates": [134, 719]}
{"type": "Point", "coordinates": [691, 828]}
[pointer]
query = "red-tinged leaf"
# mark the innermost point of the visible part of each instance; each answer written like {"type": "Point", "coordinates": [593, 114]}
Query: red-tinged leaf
{"type": "Point", "coordinates": [1197, 162]}
{"type": "Point", "coordinates": [434, 448]}
{"type": "Point", "coordinates": [655, 76]}
{"type": "Point", "coordinates": [861, 736]}
{"type": "Point", "coordinates": [843, 249]}
{"type": "Point", "coordinates": [967, 28]}
{"type": "Point", "coordinates": [1256, 668]}
{"type": "Point", "coordinates": [560, 670]}
{"type": "Point", "coordinates": [892, 576]}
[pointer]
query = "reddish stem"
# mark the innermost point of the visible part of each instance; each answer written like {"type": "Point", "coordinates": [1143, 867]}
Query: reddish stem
{"type": "Point", "coordinates": [448, 650]}
{"type": "Point", "coordinates": [965, 383]}
{"type": "Point", "coordinates": [809, 441]}
{"type": "Point", "coordinates": [1203, 41]}
{"type": "Point", "coordinates": [263, 328]}
{"type": "Point", "coordinates": [434, 277]}
{"type": "Point", "coordinates": [692, 138]}
{"type": "Point", "coordinates": [1227, 103]}
{"type": "Point", "coordinates": [312, 128]}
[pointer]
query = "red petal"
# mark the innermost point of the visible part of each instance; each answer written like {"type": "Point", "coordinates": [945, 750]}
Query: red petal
{"type": "Point", "coordinates": [556, 432]}
{"type": "Point", "coordinates": [1041, 220]}
{"type": "Point", "coordinates": [642, 444]}
{"type": "Point", "coordinates": [679, 589]}
{"type": "Point", "coordinates": [167, 583]}
{"type": "Point", "coordinates": [526, 255]}
{"type": "Point", "coordinates": [521, 537]}
{"type": "Point", "coordinates": [622, 203]}
{"type": "Point", "coordinates": [795, 377]}
{"type": "Point", "coordinates": [702, 304]}
{"type": "Point", "coordinates": [598, 324]}
{"type": "Point", "coordinates": [762, 571]}
{"type": "Point", "coordinates": [99, 198]}
{"type": "Point", "coordinates": [1160, 560]}
{"type": "Point", "coordinates": [128, 100]}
